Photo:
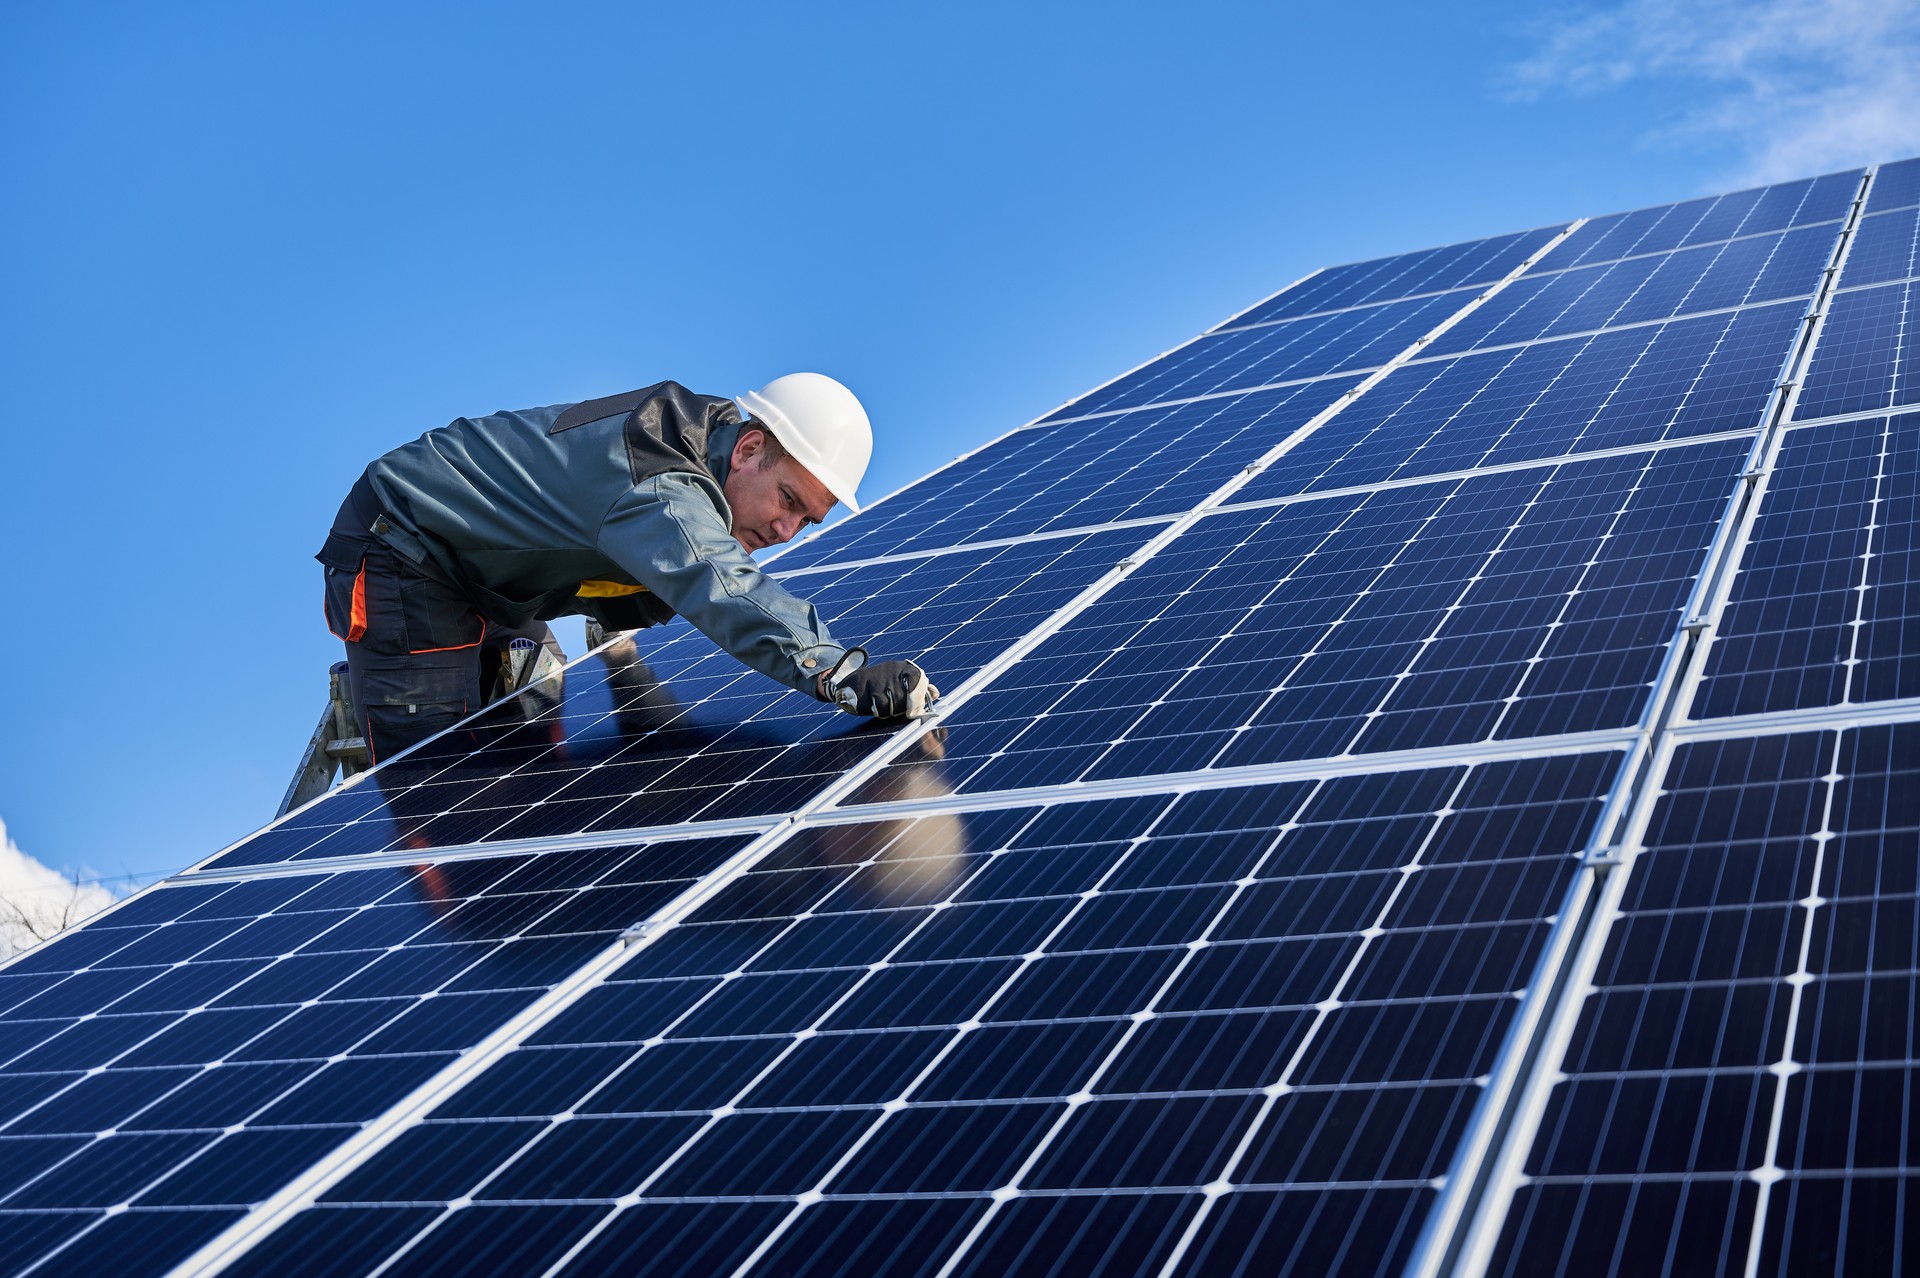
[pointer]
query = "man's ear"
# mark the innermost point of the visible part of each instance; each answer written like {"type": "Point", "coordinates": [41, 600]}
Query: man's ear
{"type": "Point", "coordinates": [751, 443]}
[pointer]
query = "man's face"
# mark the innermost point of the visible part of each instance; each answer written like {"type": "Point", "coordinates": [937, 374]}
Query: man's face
{"type": "Point", "coordinates": [772, 500]}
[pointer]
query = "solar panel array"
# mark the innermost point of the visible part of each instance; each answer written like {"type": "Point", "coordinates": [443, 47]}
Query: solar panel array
{"type": "Point", "coordinates": [1424, 787]}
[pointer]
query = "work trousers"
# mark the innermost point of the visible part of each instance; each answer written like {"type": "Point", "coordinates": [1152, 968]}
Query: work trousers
{"type": "Point", "coordinates": [420, 658]}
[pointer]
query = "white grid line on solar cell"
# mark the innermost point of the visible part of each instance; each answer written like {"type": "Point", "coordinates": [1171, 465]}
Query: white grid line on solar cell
{"type": "Point", "coordinates": [1769, 1171]}
{"type": "Point", "coordinates": [989, 543]}
{"type": "Point", "coordinates": [1472, 1245]}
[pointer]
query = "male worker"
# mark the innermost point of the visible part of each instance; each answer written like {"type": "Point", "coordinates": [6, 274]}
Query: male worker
{"type": "Point", "coordinates": [630, 509]}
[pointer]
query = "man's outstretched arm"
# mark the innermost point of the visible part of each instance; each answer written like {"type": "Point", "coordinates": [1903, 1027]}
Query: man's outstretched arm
{"type": "Point", "coordinates": [670, 535]}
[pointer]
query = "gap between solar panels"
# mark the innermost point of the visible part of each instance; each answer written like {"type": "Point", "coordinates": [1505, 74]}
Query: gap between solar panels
{"type": "Point", "coordinates": [1464, 1229]}
{"type": "Point", "coordinates": [976, 801]}
{"type": "Point", "coordinates": [260, 1222]}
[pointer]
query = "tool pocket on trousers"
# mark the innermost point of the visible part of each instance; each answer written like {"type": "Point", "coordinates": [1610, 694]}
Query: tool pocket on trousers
{"type": "Point", "coordinates": [434, 616]}
{"type": "Point", "coordinates": [417, 691]}
{"type": "Point", "coordinates": [345, 602]}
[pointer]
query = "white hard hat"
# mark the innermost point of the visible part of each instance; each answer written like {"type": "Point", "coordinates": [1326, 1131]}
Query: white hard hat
{"type": "Point", "coordinates": [820, 423]}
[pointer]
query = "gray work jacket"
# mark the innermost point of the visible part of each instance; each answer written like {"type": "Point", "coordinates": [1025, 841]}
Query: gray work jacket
{"type": "Point", "coordinates": [612, 508]}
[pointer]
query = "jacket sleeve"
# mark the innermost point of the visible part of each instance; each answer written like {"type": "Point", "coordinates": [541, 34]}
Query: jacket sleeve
{"type": "Point", "coordinates": [671, 534]}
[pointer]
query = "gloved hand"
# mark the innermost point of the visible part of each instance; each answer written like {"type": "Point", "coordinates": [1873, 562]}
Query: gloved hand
{"type": "Point", "coordinates": [884, 690]}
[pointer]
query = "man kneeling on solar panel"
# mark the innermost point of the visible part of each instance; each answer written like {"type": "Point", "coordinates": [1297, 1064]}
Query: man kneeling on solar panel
{"type": "Point", "coordinates": [629, 509]}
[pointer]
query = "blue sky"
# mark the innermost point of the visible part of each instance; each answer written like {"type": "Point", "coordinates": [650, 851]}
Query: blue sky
{"type": "Point", "coordinates": [249, 247]}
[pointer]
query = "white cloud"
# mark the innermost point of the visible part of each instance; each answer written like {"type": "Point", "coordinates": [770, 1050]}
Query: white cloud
{"type": "Point", "coordinates": [1796, 86]}
{"type": "Point", "coordinates": [37, 900]}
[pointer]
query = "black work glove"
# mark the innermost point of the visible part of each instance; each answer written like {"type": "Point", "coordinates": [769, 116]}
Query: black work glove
{"type": "Point", "coordinates": [883, 690]}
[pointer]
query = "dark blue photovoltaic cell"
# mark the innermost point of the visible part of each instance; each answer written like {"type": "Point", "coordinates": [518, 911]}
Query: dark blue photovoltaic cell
{"type": "Point", "coordinates": [1435, 270]}
{"type": "Point", "coordinates": [1865, 356]}
{"type": "Point", "coordinates": [1885, 247]}
{"type": "Point", "coordinates": [1241, 358]}
{"type": "Point", "coordinates": [1629, 386]}
{"type": "Point", "coordinates": [1895, 186]}
{"type": "Point", "coordinates": [897, 1016]}
{"type": "Point", "coordinates": [1644, 1159]}
{"type": "Point", "coordinates": [1716, 217]}
{"type": "Point", "coordinates": [1825, 609]}
{"type": "Point", "coordinates": [1521, 604]}
{"type": "Point", "coordinates": [678, 729]}
{"type": "Point", "coordinates": [202, 1045]}
{"type": "Point", "coordinates": [1150, 462]}
{"type": "Point", "coordinates": [1762, 269]}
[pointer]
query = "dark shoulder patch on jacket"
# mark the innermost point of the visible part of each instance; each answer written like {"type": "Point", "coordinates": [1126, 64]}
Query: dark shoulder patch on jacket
{"type": "Point", "coordinates": [606, 406]}
{"type": "Point", "coordinates": [668, 431]}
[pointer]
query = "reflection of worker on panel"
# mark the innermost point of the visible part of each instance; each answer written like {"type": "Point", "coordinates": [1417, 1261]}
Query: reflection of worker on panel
{"type": "Point", "coordinates": [469, 792]}
{"type": "Point", "coordinates": [630, 509]}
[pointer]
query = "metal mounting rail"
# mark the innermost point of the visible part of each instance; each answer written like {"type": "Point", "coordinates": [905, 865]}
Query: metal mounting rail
{"type": "Point", "coordinates": [1461, 1234]}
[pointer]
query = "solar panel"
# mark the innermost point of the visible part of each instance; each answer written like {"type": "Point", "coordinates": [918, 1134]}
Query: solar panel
{"type": "Point", "coordinates": [1870, 362]}
{"type": "Point", "coordinates": [1823, 608]}
{"type": "Point", "coordinates": [1885, 250]}
{"type": "Point", "coordinates": [1421, 789]}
